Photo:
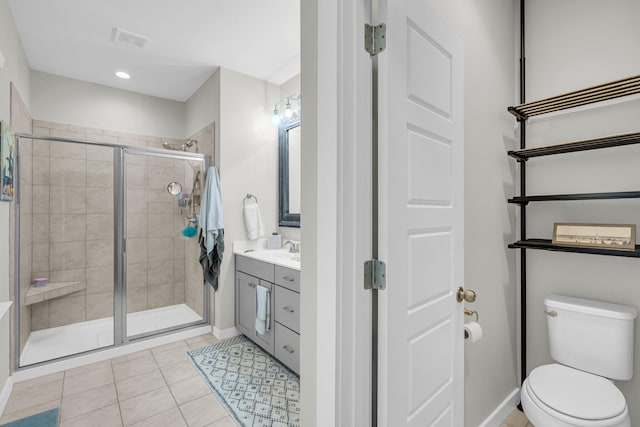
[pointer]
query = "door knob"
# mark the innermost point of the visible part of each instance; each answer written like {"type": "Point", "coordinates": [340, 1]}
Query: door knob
{"type": "Point", "coordinates": [468, 295]}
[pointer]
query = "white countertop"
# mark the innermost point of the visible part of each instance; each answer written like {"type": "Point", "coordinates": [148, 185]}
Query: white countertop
{"type": "Point", "coordinates": [257, 249]}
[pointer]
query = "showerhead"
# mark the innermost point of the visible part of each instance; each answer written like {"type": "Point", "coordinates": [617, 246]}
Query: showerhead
{"type": "Point", "coordinates": [188, 143]}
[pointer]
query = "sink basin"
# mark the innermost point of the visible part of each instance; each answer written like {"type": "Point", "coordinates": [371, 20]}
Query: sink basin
{"type": "Point", "coordinates": [280, 257]}
{"type": "Point", "coordinates": [273, 253]}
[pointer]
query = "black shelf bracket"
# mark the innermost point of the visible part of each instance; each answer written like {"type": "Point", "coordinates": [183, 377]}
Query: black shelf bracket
{"type": "Point", "coordinates": [545, 244]}
{"type": "Point", "coordinates": [524, 200]}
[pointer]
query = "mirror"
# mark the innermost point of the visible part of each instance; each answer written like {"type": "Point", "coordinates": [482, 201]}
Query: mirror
{"type": "Point", "coordinates": [289, 143]}
{"type": "Point", "coordinates": [174, 188]}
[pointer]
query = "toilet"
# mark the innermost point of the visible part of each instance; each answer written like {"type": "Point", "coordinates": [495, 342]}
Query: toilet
{"type": "Point", "coordinates": [592, 343]}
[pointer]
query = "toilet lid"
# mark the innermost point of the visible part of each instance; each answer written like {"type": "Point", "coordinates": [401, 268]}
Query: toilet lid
{"type": "Point", "coordinates": [576, 393]}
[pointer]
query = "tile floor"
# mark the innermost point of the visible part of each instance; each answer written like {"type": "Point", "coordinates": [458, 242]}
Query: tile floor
{"type": "Point", "coordinates": [144, 389]}
{"type": "Point", "coordinates": [156, 387]}
{"type": "Point", "coordinates": [516, 419]}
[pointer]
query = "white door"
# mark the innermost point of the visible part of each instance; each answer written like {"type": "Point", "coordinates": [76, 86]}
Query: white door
{"type": "Point", "coordinates": [421, 219]}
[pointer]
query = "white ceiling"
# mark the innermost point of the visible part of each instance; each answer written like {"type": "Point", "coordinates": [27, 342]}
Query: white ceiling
{"type": "Point", "coordinates": [189, 40]}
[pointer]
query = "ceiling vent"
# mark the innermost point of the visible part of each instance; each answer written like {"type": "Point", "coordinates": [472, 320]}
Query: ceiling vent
{"type": "Point", "coordinates": [128, 38]}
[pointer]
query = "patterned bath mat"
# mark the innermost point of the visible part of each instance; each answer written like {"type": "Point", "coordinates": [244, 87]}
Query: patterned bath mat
{"type": "Point", "coordinates": [254, 387]}
{"type": "Point", "coordinates": [43, 419]}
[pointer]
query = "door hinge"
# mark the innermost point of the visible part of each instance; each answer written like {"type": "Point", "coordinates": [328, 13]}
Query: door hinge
{"type": "Point", "coordinates": [375, 38]}
{"type": "Point", "coordinates": [375, 275]}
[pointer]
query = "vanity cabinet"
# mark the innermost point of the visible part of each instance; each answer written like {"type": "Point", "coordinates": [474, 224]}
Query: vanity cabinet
{"type": "Point", "coordinates": [283, 338]}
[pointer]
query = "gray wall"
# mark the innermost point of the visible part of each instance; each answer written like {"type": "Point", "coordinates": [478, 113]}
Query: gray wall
{"type": "Point", "coordinates": [573, 44]}
{"type": "Point", "coordinates": [203, 107]}
{"type": "Point", "coordinates": [64, 100]}
{"type": "Point", "coordinates": [248, 164]}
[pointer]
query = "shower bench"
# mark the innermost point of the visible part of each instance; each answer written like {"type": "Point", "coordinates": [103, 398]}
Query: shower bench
{"type": "Point", "coordinates": [37, 294]}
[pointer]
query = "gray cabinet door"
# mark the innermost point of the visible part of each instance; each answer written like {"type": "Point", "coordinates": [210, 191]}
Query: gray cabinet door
{"type": "Point", "coordinates": [246, 306]}
{"type": "Point", "coordinates": [265, 340]}
{"type": "Point", "coordinates": [246, 303]}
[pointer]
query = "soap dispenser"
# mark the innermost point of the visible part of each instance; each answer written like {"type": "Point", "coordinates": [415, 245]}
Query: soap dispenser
{"type": "Point", "coordinates": [275, 241]}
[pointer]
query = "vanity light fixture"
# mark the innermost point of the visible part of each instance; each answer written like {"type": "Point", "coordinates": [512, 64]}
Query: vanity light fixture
{"type": "Point", "coordinates": [275, 119]}
{"type": "Point", "coordinates": [288, 112]}
{"type": "Point", "coordinates": [123, 75]}
{"type": "Point", "coordinates": [291, 109]}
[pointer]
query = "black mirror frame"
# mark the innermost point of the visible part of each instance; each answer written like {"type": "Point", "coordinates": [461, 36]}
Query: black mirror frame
{"type": "Point", "coordinates": [285, 218]}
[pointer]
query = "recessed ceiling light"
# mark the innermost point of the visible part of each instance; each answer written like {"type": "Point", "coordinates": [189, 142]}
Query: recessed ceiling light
{"type": "Point", "coordinates": [123, 75]}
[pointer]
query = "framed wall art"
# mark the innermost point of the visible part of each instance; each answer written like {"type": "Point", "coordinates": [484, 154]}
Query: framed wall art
{"type": "Point", "coordinates": [612, 236]}
{"type": "Point", "coordinates": [7, 158]}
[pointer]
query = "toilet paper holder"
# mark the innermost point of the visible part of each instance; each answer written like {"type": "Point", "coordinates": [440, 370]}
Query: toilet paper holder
{"type": "Point", "coordinates": [468, 312]}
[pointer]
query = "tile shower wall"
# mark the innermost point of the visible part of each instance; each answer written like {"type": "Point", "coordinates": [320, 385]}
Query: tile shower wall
{"type": "Point", "coordinates": [155, 245]}
{"type": "Point", "coordinates": [193, 270]}
{"type": "Point", "coordinates": [21, 121]}
{"type": "Point", "coordinates": [73, 225]}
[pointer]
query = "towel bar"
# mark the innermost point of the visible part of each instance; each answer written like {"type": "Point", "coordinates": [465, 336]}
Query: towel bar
{"type": "Point", "coordinates": [248, 197]}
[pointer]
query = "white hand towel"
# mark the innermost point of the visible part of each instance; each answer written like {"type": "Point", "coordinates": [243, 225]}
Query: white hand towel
{"type": "Point", "coordinates": [263, 311]}
{"type": "Point", "coordinates": [253, 221]}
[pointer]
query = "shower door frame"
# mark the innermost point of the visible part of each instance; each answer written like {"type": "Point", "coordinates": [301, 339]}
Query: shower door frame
{"type": "Point", "coordinates": [120, 337]}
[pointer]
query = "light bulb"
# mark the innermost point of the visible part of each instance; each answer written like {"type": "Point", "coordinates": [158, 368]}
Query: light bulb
{"type": "Point", "coordinates": [288, 112]}
{"type": "Point", "coordinates": [123, 75]}
{"type": "Point", "coordinates": [275, 119]}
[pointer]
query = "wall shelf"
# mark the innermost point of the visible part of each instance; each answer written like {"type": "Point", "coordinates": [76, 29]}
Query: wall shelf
{"type": "Point", "coordinates": [594, 94]}
{"type": "Point", "coordinates": [546, 245]}
{"type": "Point", "coordinates": [37, 294]}
{"type": "Point", "coordinates": [574, 146]}
{"type": "Point", "coordinates": [578, 98]}
{"type": "Point", "coordinates": [520, 200]}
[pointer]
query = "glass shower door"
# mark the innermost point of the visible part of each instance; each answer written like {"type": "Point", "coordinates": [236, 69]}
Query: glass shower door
{"type": "Point", "coordinates": [66, 216]}
{"type": "Point", "coordinates": [163, 278]}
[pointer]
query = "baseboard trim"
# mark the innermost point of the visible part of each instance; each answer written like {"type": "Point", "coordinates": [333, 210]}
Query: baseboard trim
{"type": "Point", "coordinates": [223, 334]}
{"type": "Point", "coordinates": [5, 393]}
{"type": "Point", "coordinates": [503, 410]}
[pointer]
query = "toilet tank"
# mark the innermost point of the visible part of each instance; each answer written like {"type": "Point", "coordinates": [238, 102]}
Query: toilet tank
{"type": "Point", "coordinates": [592, 336]}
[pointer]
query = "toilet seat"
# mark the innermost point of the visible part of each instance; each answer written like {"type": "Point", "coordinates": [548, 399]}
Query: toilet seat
{"type": "Point", "coordinates": [556, 395]}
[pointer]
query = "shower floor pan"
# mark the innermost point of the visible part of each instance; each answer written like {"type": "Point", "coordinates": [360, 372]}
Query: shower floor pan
{"type": "Point", "coordinates": [52, 343]}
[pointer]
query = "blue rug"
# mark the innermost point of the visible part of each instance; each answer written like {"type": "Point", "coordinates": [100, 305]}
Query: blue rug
{"type": "Point", "coordinates": [43, 419]}
{"type": "Point", "coordinates": [255, 388]}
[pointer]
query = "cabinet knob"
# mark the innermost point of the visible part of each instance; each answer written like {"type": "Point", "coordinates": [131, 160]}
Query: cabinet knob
{"type": "Point", "coordinates": [288, 349]}
{"type": "Point", "coordinates": [288, 309]}
{"type": "Point", "coordinates": [252, 285]}
{"type": "Point", "coordinates": [289, 279]}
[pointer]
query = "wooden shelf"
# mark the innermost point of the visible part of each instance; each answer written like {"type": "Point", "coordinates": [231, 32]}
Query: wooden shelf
{"type": "Point", "coordinates": [578, 98]}
{"type": "Point", "coordinates": [583, 196]}
{"type": "Point", "coordinates": [574, 146]}
{"type": "Point", "coordinates": [37, 294]}
{"type": "Point", "coordinates": [546, 245]}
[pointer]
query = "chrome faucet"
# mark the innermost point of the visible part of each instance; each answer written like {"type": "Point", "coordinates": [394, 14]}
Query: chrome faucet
{"type": "Point", "coordinates": [293, 248]}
